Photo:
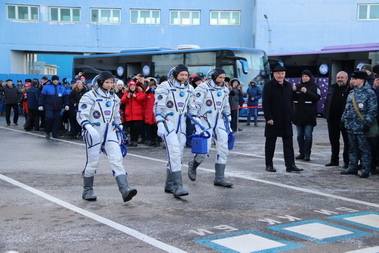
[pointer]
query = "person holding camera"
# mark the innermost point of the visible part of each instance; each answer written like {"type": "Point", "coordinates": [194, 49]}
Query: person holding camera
{"type": "Point", "coordinates": [134, 99]}
{"type": "Point", "coordinates": [306, 94]}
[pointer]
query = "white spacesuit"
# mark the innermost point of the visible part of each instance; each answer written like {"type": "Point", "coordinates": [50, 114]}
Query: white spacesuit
{"type": "Point", "coordinates": [211, 106]}
{"type": "Point", "coordinates": [172, 99]}
{"type": "Point", "coordinates": [98, 114]}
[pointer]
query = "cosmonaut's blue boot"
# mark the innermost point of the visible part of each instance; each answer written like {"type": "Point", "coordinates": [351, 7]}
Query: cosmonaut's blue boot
{"type": "Point", "coordinates": [192, 166]}
{"type": "Point", "coordinates": [87, 189]}
{"type": "Point", "coordinates": [126, 192]}
{"type": "Point", "coordinates": [178, 185]}
{"type": "Point", "coordinates": [219, 177]}
{"type": "Point", "coordinates": [169, 185]}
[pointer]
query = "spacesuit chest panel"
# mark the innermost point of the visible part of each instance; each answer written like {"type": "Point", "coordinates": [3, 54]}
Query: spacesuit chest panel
{"type": "Point", "coordinates": [177, 99]}
{"type": "Point", "coordinates": [103, 110]}
{"type": "Point", "coordinates": [214, 100]}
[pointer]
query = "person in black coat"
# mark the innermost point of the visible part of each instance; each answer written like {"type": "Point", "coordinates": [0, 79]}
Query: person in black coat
{"type": "Point", "coordinates": [12, 97]}
{"type": "Point", "coordinates": [73, 100]}
{"type": "Point", "coordinates": [278, 109]}
{"type": "Point", "coordinates": [306, 94]}
{"type": "Point", "coordinates": [33, 93]}
{"type": "Point", "coordinates": [334, 106]}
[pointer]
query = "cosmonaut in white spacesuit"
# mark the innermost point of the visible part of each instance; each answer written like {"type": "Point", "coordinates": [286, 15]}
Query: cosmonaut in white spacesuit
{"type": "Point", "coordinates": [172, 100]}
{"type": "Point", "coordinates": [211, 107]}
{"type": "Point", "coordinates": [98, 114]}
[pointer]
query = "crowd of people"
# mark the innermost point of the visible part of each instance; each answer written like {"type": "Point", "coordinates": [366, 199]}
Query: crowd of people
{"type": "Point", "coordinates": [152, 111]}
{"type": "Point", "coordinates": [351, 110]}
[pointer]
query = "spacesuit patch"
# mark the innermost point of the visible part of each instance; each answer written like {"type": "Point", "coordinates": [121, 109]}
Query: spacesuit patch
{"type": "Point", "coordinates": [169, 104]}
{"type": "Point", "coordinates": [96, 114]}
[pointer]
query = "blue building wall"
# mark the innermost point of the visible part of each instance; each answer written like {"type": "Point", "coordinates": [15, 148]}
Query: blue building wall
{"type": "Point", "coordinates": [86, 37]}
{"type": "Point", "coordinates": [310, 25]}
{"type": "Point", "coordinates": [291, 26]}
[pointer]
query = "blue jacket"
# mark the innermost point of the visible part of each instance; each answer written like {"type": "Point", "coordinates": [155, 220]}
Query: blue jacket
{"type": "Point", "coordinates": [253, 92]}
{"type": "Point", "coordinates": [33, 94]}
{"type": "Point", "coordinates": [365, 99]}
{"type": "Point", "coordinates": [53, 97]}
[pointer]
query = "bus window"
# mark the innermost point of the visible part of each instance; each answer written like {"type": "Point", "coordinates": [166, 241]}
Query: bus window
{"type": "Point", "coordinates": [164, 62]}
{"type": "Point", "coordinates": [200, 59]}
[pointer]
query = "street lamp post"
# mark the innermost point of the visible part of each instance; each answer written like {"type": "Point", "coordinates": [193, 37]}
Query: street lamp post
{"type": "Point", "coordinates": [269, 32]}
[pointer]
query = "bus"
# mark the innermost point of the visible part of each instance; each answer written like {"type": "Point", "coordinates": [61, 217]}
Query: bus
{"type": "Point", "coordinates": [326, 63]}
{"type": "Point", "coordinates": [246, 64]}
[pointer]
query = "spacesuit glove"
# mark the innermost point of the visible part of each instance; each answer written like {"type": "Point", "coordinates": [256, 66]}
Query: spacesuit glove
{"type": "Point", "coordinates": [40, 108]}
{"type": "Point", "coordinates": [198, 129]}
{"type": "Point", "coordinates": [93, 133]}
{"type": "Point", "coordinates": [66, 108]}
{"type": "Point", "coordinates": [161, 129]}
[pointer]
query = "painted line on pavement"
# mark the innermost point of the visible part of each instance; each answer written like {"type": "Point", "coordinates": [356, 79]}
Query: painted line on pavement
{"type": "Point", "coordinates": [98, 218]}
{"type": "Point", "coordinates": [242, 176]}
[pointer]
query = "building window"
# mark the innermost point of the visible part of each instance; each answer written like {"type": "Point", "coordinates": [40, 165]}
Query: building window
{"type": "Point", "coordinates": [106, 16]}
{"type": "Point", "coordinates": [60, 14]}
{"type": "Point", "coordinates": [23, 12]}
{"type": "Point", "coordinates": [368, 11]}
{"type": "Point", "coordinates": [225, 18]}
{"type": "Point", "coordinates": [185, 17]}
{"type": "Point", "coordinates": [145, 17]}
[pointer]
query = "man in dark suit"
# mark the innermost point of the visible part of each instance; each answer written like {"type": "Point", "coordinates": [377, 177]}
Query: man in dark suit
{"type": "Point", "coordinates": [278, 110]}
{"type": "Point", "coordinates": [334, 106]}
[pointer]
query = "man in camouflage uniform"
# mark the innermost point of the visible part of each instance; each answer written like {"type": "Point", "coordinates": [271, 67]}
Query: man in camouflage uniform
{"type": "Point", "coordinates": [356, 128]}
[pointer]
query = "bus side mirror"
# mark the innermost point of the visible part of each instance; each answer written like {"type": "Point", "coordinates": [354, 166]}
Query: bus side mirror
{"type": "Point", "coordinates": [245, 66]}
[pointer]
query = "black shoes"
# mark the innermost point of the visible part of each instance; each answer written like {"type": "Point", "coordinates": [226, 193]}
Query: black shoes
{"type": "Point", "coordinates": [300, 157]}
{"type": "Point", "coordinates": [270, 168]}
{"type": "Point", "coordinates": [345, 165]}
{"type": "Point", "coordinates": [349, 172]}
{"type": "Point", "coordinates": [364, 175]}
{"type": "Point", "coordinates": [307, 158]}
{"type": "Point", "coordinates": [293, 168]}
{"type": "Point", "coordinates": [331, 164]}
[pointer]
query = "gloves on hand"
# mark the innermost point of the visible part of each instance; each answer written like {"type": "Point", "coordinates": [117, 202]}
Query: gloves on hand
{"type": "Point", "coordinates": [198, 129]}
{"type": "Point", "coordinates": [93, 133]}
{"type": "Point", "coordinates": [161, 129]}
{"type": "Point", "coordinates": [366, 128]}
{"type": "Point", "coordinates": [66, 108]}
{"type": "Point", "coordinates": [40, 108]}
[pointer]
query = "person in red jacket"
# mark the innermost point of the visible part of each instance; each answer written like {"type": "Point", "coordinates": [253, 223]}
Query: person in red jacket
{"type": "Point", "coordinates": [151, 123]}
{"type": "Point", "coordinates": [134, 98]}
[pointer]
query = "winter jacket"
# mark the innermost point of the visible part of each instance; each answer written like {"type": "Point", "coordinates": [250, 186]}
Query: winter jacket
{"type": "Point", "coordinates": [367, 104]}
{"type": "Point", "coordinates": [74, 98]}
{"type": "Point", "coordinates": [12, 95]}
{"type": "Point", "coordinates": [149, 116]}
{"type": "Point", "coordinates": [33, 94]}
{"type": "Point", "coordinates": [253, 92]}
{"type": "Point", "coordinates": [335, 101]}
{"type": "Point", "coordinates": [305, 104]}
{"type": "Point", "coordinates": [277, 105]}
{"type": "Point", "coordinates": [134, 106]}
{"type": "Point", "coordinates": [53, 97]}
